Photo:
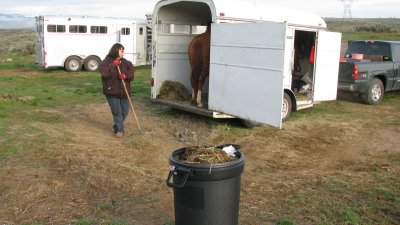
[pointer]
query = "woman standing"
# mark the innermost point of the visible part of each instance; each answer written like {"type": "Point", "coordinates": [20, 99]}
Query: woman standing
{"type": "Point", "coordinates": [113, 69]}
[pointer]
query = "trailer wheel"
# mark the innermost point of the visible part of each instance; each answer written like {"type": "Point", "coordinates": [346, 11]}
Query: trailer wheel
{"type": "Point", "coordinates": [286, 107]}
{"type": "Point", "coordinates": [92, 63]}
{"type": "Point", "coordinates": [375, 92]}
{"type": "Point", "coordinates": [73, 64]}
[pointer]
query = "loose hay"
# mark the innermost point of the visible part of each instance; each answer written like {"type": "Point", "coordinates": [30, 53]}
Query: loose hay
{"type": "Point", "coordinates": [173, 91]}
{"type": "Point", "coordinates": [203, 155]}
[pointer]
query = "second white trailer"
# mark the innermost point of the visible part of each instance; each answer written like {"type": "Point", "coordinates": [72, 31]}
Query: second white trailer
{"type": "Point", "coordinates": [260, 62]}
{"type": "Point", "coordinates": [74, 42]}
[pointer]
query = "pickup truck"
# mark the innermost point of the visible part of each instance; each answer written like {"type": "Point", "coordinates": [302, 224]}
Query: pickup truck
{"type": "Point", "coordinates": [369, 69]}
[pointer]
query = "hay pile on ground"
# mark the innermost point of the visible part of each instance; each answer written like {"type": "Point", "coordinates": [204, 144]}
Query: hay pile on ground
{"type": "Point", "coordinates": [171, 90]}
{"type": "Point", "coordinates": [203, 155]}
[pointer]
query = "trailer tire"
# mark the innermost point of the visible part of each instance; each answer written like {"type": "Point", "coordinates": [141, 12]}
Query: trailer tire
{"type": "Point", "coordinates": [73, 64]}
{"type": "Point", "coordinates": [375, 92]}
{"type": "Point", "coordinates": [92, 63]}
{"type": "Point", "coordinates": [286, 106]}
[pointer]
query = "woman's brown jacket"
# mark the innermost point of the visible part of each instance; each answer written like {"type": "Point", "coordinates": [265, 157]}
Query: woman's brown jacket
{"type": "Point", "coordinates": [112, 84]}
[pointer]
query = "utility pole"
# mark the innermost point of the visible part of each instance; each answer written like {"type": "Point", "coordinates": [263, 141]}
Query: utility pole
{"type": "Point", "coordinates": [347, 8]}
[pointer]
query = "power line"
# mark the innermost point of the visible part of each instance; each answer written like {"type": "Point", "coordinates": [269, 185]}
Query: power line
{"type": "Point", "coordinates": [347, 8]}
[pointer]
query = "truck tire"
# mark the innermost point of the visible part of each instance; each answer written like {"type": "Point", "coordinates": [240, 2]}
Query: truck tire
{"type": "Point", "coordinates": [92, 63]}
{"type": "Point", "coordinates": [73, 64]}
{"type": "Point", "coordinates": [375, 92]}
{"type": "Point", "coordinates": [286, 107]}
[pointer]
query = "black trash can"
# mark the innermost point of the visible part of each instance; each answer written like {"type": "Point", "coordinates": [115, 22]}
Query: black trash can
{"type": "Point", "coordinates": [206, 194]}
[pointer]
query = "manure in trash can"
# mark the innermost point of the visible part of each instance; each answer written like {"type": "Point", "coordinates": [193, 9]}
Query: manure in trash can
{"type": "Point", "coordinates": [206, 155]}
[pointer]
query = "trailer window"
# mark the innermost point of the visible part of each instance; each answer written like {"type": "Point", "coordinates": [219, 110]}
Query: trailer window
{"type": "Point", "coordinates": [98, 29]}
{"type": "Point", "coordinates": [77, 29]}
{"type": "Point", "coordinates": [125, 31]}
{"type": "Point", "coordinates": [56, 28]}
{"type": "Point", "coordinates": [164, 28]}
{"type": "Point", "coordinates": [180, 29]}
{"type": "Point", "coordinates": [175, 28]}
{"type": "Point", "coordinates": [198, 29]}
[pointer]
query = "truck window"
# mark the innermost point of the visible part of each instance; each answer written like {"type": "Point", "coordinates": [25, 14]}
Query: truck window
{"type": "Point", "coordinates": [369, 48]}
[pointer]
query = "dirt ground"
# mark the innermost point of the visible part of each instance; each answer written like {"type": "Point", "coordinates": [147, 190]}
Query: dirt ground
{"type": "Point", "coordinates": [85, 173]}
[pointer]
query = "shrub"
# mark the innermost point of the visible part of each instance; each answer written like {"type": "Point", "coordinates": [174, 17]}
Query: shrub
{"type": "Point", "coordinates": [376, 28]}
{"type": "Point", "coordinates": [17, 40]}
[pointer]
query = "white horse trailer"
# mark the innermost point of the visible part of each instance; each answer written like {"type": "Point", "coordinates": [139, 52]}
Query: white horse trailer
{"type": "Point", "coordinates": [72, 42]}
{"type": "Point", "coordinates": [260, 61]}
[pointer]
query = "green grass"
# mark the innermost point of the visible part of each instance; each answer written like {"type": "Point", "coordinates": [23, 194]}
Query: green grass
{"type": "Point", "coordinates": [115, 222]}
{"type": "Point", "coordinates": [141, 83]}
{"type": "Point", "coordinates": [370, 36]}
{"type": "Point", "coordinates": [105, 205]}
{"type": "Point", "coordinates": [361, 29]}
{"type": "Point", "coordinates": [47, 89]}
{"type": "Point", "coordinates": [392, 98]}
{"type": "Point", "coordinates": [17, 61]}
{"type": "Point", "coordinates": [7, 149]}
{"type": "Point", "coordinates": [285, 222]}
{"type": "Point", "coordinates": [327, 109]}
{"type": "Point", "coordinates": [343, 199]}
{"type": "Point", "coordinates": [84, 222]}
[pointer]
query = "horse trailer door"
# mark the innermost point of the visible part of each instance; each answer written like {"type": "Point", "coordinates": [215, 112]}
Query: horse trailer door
{"type": "Point", "coordinates": [327, 66]}
{"type": "Point", "coordinates": [246, 70]}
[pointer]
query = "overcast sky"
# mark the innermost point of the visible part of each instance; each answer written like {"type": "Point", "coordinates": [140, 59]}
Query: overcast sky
{"type": "Point", "coordinates": [138, 8]}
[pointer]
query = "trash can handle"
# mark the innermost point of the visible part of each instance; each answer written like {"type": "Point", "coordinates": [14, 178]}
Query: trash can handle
{"type": "Point", "coordinates": [173, 171]}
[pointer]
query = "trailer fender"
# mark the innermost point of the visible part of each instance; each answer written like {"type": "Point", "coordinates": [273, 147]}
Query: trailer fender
{"type": "Point", "coordinates": [292, 98]}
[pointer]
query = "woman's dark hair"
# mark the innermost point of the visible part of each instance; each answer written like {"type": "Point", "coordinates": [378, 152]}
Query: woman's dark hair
{"type": "Point", "coordinates": [114, 51]}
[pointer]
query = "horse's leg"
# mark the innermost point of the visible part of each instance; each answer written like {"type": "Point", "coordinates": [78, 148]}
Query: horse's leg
{"type": "Point", "coordinates": [192, 61]}
{"type": "Point", "coordinates": [194, 78]}
{"type": "Point", "coordinates": [202, 78]}
{"type": "Point", "coordinates": [194, 81]}
{"type": "Point", "coordinates": [194, 84]}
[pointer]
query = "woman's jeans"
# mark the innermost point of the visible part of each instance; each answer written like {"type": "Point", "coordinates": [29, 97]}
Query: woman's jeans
{"type": "Point", "coordinates": [119, 109]}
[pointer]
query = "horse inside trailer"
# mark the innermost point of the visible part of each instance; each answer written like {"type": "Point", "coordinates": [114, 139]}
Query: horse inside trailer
{"type": "Point", "coordinates": [259, 58]}
{"type": "Point", "coordinates": [175, 26]}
